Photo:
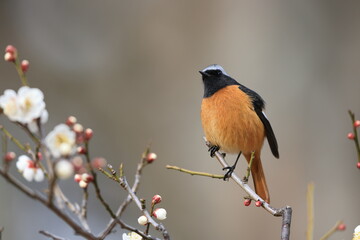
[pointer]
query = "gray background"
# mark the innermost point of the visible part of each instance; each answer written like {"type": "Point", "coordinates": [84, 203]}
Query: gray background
{"type": "Point", "coordinates": [129, 70]}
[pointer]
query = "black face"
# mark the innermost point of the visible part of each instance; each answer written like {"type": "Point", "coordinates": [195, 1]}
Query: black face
{"type": "Point", "coordinates": [214, 80]}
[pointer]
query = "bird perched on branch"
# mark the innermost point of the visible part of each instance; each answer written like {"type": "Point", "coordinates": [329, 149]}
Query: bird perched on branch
{"type": "Point", "coordinates": [234, 122]}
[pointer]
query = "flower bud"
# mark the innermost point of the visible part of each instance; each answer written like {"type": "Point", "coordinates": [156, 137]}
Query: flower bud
{"type": "Point", "coordinates": [87, 177]}
{"type": "Point", "coordinates": [77, 178]}
{"type": "Point", "coordinates": [83, 184]}
{"type": "Point", "coordinates": [358, 165]}
{"type": "Point", "coordinates": [98, 162]}
{"type": "Point", "coordinates": [70, 121]}
{"type": "Point", "coordinates": [25, 65]}
{"type": "Point", "coordinates": [247, 202]}
{"type": "Point", "coordinates": [88, 134]}
{"type": "Point", "coordinates": [9, 156]}
{"type": "Point", "coordinates": [357, 123]}
{"type": "Point", "coordinates": [341, 227]}
{"type": "Point", "coordinates": [351, 136]}
{"type": "Point", "coordinates": [151, 157]}
{"type": "Point", "coordinates": [81, 150]}
{"type": "Point", "coordinates": [64, 169]}
{"type": "Point", "coordinates": [160, 213]}
{"type": "Point", "coordinates": [78, 128]}
{"type": "Point", "coordinates": [142, 220]}
{"type": "Point", "coordinates": [156, 199]}
{"type": "Point", "coordinates": [258, 203]}
{"type": "Point", "coordinates": [9, 57]}
{"type": "Point", "coordinates": [10, 49]}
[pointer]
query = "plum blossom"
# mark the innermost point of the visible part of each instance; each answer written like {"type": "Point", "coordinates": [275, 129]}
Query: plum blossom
{"type": "Point", "coordinates": [9, 104]}
{"type": "Point", "coordinates": [24, 106]}
{"type": "Point", "coordinates": [61, 141]}
{"type": "Point", "coordinates": [160, 213]}
{"type": "Point", "coordinates": [64, 169]}
{"type": "Point", "coordinates": [131, 236]}
{"type": "Point", "coordinates": [27, 168]}
{"type": "Point", "coordinates": [356, 233]}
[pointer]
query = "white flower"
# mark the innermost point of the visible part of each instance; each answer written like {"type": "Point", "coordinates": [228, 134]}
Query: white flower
{"type": "Point", "coordinates": [356, 233]}
{"type": "Point", "coordinates": [9, 104]}
{"type": "Point", "coordinates": [33, 126]}
{"type": "Point", "coordinates": [131, 236]}
{"type": "Point", "coordinates": [142, 220]}
{"type": "Point", "coordinates": [28, 169]}
{"type": "Point", "coordinates": [64, 169]}
{"type": "Point", "coordinates": [61, 141]}
{"type": "Point", "coordinates": [25, 106]}
{"type": "Point", "coordinates": [160, 213]}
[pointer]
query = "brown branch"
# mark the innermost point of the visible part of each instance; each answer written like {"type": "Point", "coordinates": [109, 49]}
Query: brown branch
{"type": "Point", "coordinates": [40, 198]}
{"type": "Point", "coordinates": [50, 235]}
{"type": "Point", "coordinates": [331, 231]}
{"type": "Point", "coordinates": [284, 212]}
{"type": "Point", "coordinates": [356, 139]}
{"type": "Point", "coordinates": [128, 199]}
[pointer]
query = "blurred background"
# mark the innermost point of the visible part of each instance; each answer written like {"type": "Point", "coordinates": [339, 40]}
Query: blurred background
{"type": "Point", "coordinates": [129, 70]}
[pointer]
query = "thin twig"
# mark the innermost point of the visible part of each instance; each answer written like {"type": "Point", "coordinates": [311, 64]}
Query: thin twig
{"type": "Point", "coordinates": [310, 212]}
{"type": "Point", "coordinates": [112, 223]}
{"type": "Point", "coordinates": [356, 139]}
{"type": "Point", "coordinates": [95, 183]}
{"type": "Point", "coordinates": [204, 174]}
{"type": "Point", "coordinates": [13, 139]}
{"type": "Point", "coordinates": [50, 235]}
{"type": "Point", "coordinates": [84, 203]}
{"type": "Point", "coordinates": [331, 231]}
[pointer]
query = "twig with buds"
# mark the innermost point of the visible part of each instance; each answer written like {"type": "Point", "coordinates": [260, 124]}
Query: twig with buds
{"type": "Point", "coordinates": [354, 135]}
{"type": "Point", "coordinates": [125, 185]}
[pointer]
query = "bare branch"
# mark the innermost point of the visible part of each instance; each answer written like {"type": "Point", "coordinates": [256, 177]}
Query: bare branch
{"type": "Point", "coordinates": [50, 235]}
{"type": "Point", "coordinates": [204, 174]}
{"type": "Point", "coordinates": [285, 212]}
{"type": "Point", "coordinates": [37, 196]}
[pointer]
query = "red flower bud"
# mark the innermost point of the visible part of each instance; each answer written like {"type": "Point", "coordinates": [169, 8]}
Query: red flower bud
{"type": "Point", "coordinates": [358, 165]}
{"type": "Point", "coordinates": [81, 150]}
{"type": "Point", "coordinates": [357, 123]}
{"type": "Point", "coordinates": [247, 202]}
{"type": "Point", "coordinates": [156, 199]}
{"type": "Point", "coordinates": [77, 178]}
{"type": "Point", "coordinates": [9, 57]}
{"type": "Point", "coordinates": [151, 157]}
{"type": "Point", "coordinates": [9, 156]}
{"type": "Point", "coordinates": [258, 203]}
{"type": "Point", "coordinates": [98, 162]}
{"type": "Point", "coordinates": [24, 65]}
{"type": "Point", "coordinates": [10, 49]}
{"type": "Point", "coordinates": [70, 121]}
{"type": "Point", "coordinates": [88, 134]}
{"type": "Point", "coordinates": [351, 136]}
{"type": "Point", "coordinates": [341, 227]}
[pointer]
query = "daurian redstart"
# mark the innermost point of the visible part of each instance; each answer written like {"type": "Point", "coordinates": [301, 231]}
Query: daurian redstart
{"type": "Point", "coordinates": [234, 122]}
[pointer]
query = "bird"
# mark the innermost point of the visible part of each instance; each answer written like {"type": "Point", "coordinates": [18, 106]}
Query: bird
{"type": "Point", "coordinates": [234, 122]}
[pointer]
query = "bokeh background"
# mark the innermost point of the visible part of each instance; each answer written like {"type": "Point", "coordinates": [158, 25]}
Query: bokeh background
{"type": "Point", "coordinates": [129, 70]}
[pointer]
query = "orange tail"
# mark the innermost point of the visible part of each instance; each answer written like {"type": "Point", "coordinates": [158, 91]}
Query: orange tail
{"type": "Point", "coordinates": [258, 176]}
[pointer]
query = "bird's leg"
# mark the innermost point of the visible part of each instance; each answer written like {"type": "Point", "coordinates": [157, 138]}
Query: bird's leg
{"type": "Point", "coordinates": [231, 169]}
{"type": "Point", "coordinates": [213, 149]}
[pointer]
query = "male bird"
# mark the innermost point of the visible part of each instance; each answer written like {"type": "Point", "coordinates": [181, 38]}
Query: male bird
{"type": "Point", "coordinates": [234, 121]}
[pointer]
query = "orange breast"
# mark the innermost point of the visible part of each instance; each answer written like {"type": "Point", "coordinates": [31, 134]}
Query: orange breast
{"type": "Point", "coordinates": [229, 121]}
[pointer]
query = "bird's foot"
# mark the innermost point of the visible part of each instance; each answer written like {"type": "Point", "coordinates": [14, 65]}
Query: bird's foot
{"type": "Point", "coordinates": [213, 149]}
{"type": "Point", "coordinates": [230, 170]}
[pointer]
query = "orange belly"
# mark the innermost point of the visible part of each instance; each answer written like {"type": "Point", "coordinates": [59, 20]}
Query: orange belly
{"type": "Point", "coordinates": [229, 121]}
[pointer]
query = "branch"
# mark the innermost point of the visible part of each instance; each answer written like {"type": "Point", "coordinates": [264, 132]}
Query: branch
{"type": "Point", "coordinates": [356, 139]}
{"type": "Point", "coordinates": [128, 199]}
{"type": "Point", "coordinates": [310, 211]}
{"type": "Point", "coordinates": [331, 231]}
{"type": "Point", "coordinates": [52, 236]}
{"type": "Point", "coordinates": [204, 174]}
{"type": "Point", "coordinates": [284, 212]}
{"type": "Point", "coordinates": [40, 198]}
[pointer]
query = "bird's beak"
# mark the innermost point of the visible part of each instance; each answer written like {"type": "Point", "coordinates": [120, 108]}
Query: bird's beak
{"type": "Point", "coordinates": [204, 74]}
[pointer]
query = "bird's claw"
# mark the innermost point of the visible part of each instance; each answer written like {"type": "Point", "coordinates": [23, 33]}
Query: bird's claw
{"type": "Point", "coordinates": [213, 149]}
{"type": "Point", "coordinates": [230, 170]}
